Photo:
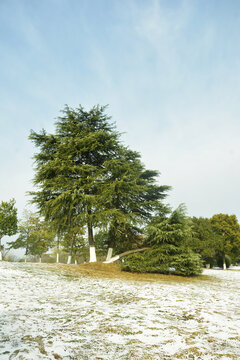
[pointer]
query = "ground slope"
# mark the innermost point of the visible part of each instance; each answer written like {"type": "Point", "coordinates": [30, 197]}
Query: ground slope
{"type": "Point", "coordinates": [50, 315]}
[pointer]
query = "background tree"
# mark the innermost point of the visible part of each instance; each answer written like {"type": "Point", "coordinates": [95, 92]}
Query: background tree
{"type": "Point", "coordinates": [22, 242]}
{"type": "Point", "coordinates": [203, 240]}
{"type": "Point", "coordinates": [227, 233]}
{"type": "Point", "coordinates": [8, 220]}
{"type": "Point", "coordinates": [73, 242]}
{"type": "Point", "coordinates": [125, 236]}
{"type": "Point", "coordinates": [56, 247]}
{"type": "Point", "coordinates": [36, 236]}
{"type": "Point", "coordinates": [170, 251]}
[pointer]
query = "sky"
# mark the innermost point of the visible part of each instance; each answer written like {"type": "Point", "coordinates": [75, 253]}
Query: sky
{"type": "Point", "coordinates": [169, 71]}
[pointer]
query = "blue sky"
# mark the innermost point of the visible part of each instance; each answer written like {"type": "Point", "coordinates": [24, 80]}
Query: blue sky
{"type": "Point", "coordinates": [169, 70]}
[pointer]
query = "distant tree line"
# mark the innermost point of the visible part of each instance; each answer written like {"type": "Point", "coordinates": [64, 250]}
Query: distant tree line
{"type": "Point", "coordinates": [94, 193]}
{"type": "Point", "coordinates": [176, 240]}
{"type": "Point", "coordinates": [217, 239]}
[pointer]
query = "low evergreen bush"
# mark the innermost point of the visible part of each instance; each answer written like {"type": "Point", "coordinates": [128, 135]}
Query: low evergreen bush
{"type": "Point", "coordinates": [164, 260]}
{"type": "Point", "coordinates": [187, 264]}
{"type": "Point", "coordinates": [169, 253]}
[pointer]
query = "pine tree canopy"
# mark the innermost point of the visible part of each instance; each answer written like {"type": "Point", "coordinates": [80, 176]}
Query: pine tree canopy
{"type": "Point", "coordinates": [175, 229]}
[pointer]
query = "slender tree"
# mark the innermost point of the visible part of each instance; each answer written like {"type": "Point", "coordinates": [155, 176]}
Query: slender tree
{"type": "Point", "coordinates": [8, 220]}
{"type": "Point", "coordinates": [36, 236]}
{"type": "Point", "coordinates": [73, 242]}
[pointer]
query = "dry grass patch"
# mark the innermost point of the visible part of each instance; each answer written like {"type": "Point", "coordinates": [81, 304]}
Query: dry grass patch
{"type": "Point", "coordinates": [113, 271]}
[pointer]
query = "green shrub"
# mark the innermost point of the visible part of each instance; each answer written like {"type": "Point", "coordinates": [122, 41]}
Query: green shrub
{"type": "Point", "coordinates": [150, 261]}
{"type": "Point", "coordinates": [164, 260]}
{"type": "Point", "coordinates": [187, 264]}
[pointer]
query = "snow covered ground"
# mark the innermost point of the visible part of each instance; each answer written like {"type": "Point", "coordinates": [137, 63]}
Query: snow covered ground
{"type": "Point", "coordinates": [46, 315]}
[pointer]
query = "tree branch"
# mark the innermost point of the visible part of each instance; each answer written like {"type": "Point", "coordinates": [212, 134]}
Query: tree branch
{"type": "Point", "coordinates": [117, 257]}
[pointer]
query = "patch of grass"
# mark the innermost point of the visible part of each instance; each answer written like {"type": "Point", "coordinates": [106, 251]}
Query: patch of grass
{"type": "Point", "coordinates": [113, 271]}
{"type": "Point", "coordinates": [226, 356]}
{"type": "Point", "coordinates": [38, 340]}
{"type": "Point", "coordinates": [192, 353]}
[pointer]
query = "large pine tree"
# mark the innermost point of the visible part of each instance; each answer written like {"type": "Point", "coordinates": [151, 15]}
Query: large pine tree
{"type": "Point", "coordinates": [70, 169]}
{"type": "Point", "coordinates": [86, 177]}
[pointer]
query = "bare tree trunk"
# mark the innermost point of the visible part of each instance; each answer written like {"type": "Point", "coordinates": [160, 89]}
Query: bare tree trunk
{"type": "Point", "coordinates": [1, 256]}
{"type": "Point", "coordinates": [57, 258]}
{"type": "Point", "coordinates": [40, 258]}
{"type": "Point", "coordinates": [224, 261]}
{"type": "Point", "coordinates": [117, 257]}
{"type": "Point", "coordinates": [26, 254]}
{"type": "Point", "coordinates": [93, 257]}
{"type": "Point", "coordinates": [111, 244]}
{"type": "Point", "coordinates": [70, 254]}
{"type": "Point", "coordinates": [109, 253]}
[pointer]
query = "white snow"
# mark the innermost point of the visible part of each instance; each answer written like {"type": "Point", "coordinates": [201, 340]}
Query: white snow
{"type": "Point", "coordinates": [44, 315]}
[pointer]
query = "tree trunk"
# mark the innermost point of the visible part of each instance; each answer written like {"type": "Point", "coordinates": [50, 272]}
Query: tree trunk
{"type": "Point", "coordinates": [75, 261]}
{"type": "Point", "coordinates": [40, 258]}
{"type": "Point", "coordinates": [109, 253]}
{"type": "Point", "coordinates": [117, 257]}
{"type": "Point", "coordinates": [93, 257]}
{"type": "Point", "coordinates": [57, 259]}
{"type": "Point", "coordinates": [224, 262]}
{"type": "Point", "coordinates": [26, 254]}
{"type": "Point", "coordinates": [1, 257]}
{"type": "Point", "coordinates": [112, 235]}
{"type": "Point", "coordinates": [70, 254]}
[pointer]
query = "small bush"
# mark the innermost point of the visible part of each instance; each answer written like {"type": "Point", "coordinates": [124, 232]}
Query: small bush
{"type": "Point", "coordinates": [187, 264]}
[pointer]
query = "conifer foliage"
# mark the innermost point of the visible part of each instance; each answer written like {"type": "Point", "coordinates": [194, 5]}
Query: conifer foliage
{"type": "Point", "coordinates": [86, 178]}
{"type": "Point", "coordinates": [168, 237]}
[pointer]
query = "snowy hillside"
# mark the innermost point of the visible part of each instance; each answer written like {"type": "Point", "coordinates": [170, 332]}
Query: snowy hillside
{"type": "Point", "coordinates": [46, 315]}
